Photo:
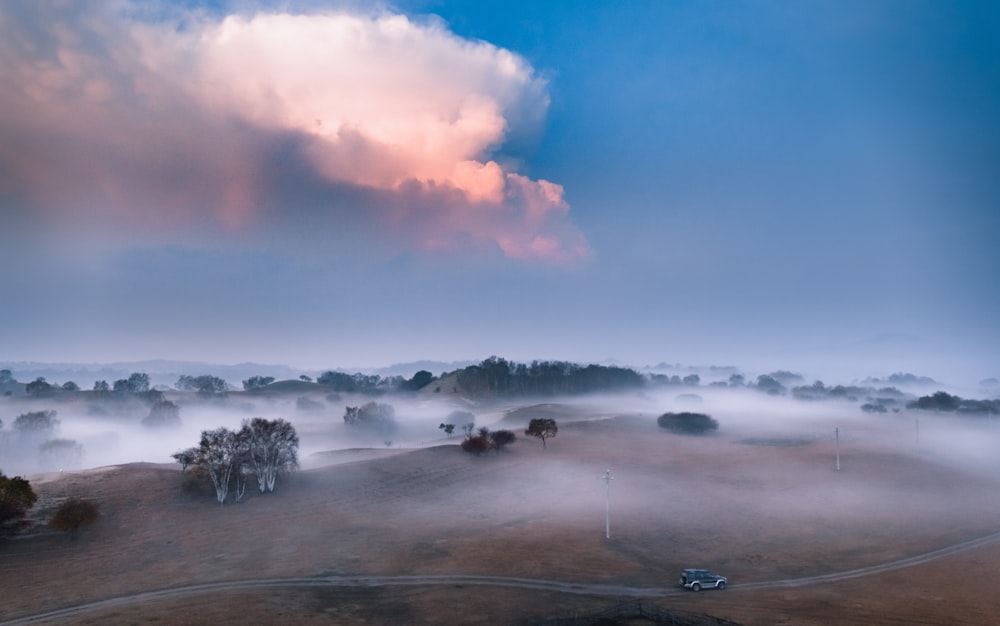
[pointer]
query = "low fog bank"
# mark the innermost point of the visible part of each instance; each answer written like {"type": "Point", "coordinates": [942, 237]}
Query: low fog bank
{"type": "Point", "coordinates": [94, 430]}
{"type": "Point", "coordinates": [111, 432]}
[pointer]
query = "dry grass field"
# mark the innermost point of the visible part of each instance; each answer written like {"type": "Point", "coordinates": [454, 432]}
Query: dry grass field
{"type": "Point", "coordinates": [763, 505]}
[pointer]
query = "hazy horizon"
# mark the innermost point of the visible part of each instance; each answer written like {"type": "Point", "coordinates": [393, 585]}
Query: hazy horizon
{"type": "Point", "coordinates": [164, 372]}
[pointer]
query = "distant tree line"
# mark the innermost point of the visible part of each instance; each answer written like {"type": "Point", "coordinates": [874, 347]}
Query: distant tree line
{"type": "Point", "coordinates": [373, 384]}
{"type": "Point", "coordinates": [498, 377]}
{"type": "Point", "coordinates": [885, 396]}
{"type": "Point", "coordinates": [663, 380]}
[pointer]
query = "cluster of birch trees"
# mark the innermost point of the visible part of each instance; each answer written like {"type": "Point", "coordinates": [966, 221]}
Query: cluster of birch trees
{"type": "Point", "coordinates": [264, 448]}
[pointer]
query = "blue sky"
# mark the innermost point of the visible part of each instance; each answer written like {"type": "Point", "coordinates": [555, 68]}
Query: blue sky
{"type": "Point", "coordinates": [798, 185]}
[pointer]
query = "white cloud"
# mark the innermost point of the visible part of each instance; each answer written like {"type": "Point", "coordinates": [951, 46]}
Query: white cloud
{"type": "Point", "coordinates": [151, 122]}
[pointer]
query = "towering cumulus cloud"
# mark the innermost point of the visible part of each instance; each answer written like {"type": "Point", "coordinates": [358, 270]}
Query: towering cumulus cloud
{"type": "Point", "coordinates": [107, 114]}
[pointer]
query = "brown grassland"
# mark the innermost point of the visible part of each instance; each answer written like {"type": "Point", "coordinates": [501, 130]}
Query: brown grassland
{"type": "Point", "coordinates": [759, 509]}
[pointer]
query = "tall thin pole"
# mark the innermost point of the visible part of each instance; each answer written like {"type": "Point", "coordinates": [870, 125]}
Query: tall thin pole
{"type": "Point", "coordinates": [836, 433]}
{"type": "Point", "coordinates": [607, 504]}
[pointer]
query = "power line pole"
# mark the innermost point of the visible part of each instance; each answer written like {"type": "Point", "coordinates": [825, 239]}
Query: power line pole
{"type": "Point", "coordinates": [836, 434]}
{"type": "Point", "coordinates": [607, 504]}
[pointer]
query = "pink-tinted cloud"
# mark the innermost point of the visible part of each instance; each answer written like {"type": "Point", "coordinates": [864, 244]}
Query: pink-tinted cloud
{"type": "Point", "coordinates": [147, 124]}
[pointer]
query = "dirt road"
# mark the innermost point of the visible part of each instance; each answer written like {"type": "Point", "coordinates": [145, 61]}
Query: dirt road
{"type": "Point", "coordinates": [490, 581]}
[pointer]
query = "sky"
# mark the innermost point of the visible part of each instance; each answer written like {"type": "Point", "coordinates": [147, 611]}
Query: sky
{"type": "Point", "coordinates": [811, 186]}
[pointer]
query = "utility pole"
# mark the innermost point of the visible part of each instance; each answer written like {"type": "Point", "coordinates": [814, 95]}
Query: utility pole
{"type": "Point", "coordinates": [836, 434]}
{"type": "Point", "coordinates": [607, 504]}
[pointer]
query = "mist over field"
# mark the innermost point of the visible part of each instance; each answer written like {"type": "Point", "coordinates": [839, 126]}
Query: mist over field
{"type": "Point", "coordinates": [109, 429]}
{"type": "Point", "coordinates": [801, 479]}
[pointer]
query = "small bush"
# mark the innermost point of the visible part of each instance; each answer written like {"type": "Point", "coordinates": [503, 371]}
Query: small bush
{"type": "Point", "coordinates": [688, 423]}
{"type": "Point", "coordinates": [16, 497]}
{"type": "Point", "coordinates": [196, 481]}
{"type": "Point", "coordinates": [476, 445]}
{"type": "Point", "coordinates": [72, 514]}
{"type": "Point", "coordinates": [501, 438]}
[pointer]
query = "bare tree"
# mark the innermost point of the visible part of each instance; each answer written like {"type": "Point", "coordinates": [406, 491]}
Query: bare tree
{"type": "Point", "coordinates": [218, 452]}
{"type": "Point", "coordinates": [273, 448]}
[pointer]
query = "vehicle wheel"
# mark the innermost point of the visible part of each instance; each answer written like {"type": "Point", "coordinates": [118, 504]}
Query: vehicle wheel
{"type": "Point", "coordinates": [696, 587]}
{"type": "Point", "coordinates": [720, 585]}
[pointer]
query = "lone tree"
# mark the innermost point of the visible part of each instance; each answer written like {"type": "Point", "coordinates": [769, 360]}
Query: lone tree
{"type": "Point", "coordinates": [16, 497]}
{"type": "Point", "coordinates": [449, 429]}
{"type": "Point", "coordinates": [72, 514]}
{"type": "Point", "coordinates": [687, 423]}
{"type": "Point", "coordinates": [543, 428]}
